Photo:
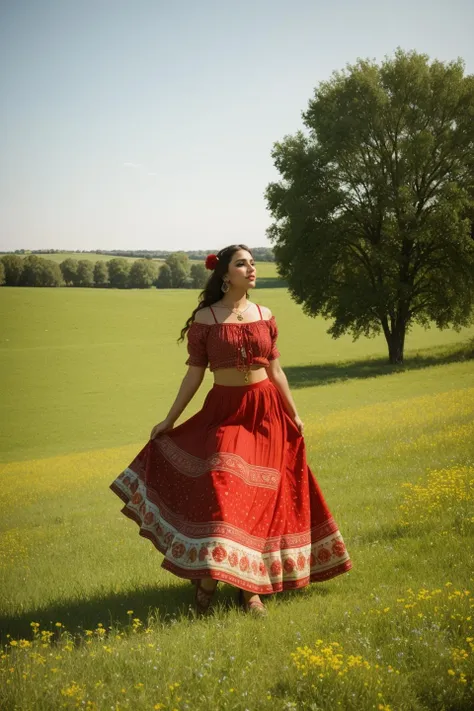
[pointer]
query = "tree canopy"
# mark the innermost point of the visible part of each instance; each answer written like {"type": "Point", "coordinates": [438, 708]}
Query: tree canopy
{"type": "Point", "coordinates": [374, 210]}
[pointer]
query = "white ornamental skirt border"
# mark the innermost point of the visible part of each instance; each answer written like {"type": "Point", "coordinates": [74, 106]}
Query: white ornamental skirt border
{"type": "Point", "coordinates": [300, 559]}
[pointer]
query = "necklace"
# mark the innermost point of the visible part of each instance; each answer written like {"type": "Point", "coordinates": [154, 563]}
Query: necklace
{"type": "Point", "coordinates": [245, 354]}
{"type": "Point", "coordinates": [236, 311]}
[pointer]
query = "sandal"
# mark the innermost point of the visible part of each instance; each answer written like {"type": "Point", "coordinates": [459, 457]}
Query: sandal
{"type": "Point", "coordinates": [255, 606]}
{"type": "Point", "coordinates": [202, 597]}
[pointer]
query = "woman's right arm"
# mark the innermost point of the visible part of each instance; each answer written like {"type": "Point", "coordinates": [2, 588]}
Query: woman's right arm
{"type": "Point", "coordinates": [189, 386]}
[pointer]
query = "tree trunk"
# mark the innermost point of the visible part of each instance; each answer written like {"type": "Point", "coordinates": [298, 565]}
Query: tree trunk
{"type": "Point", "coordinates": [394, 333]}
{"type": "Point", "coordinates": [396, 344]}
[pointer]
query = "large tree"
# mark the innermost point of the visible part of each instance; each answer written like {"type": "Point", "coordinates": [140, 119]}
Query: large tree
{"type": "Point", "coordinates": [373, 212]}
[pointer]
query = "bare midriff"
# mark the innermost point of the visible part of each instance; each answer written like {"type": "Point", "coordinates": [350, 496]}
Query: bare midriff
{"type": "Point", "coordinates": [233, 376]}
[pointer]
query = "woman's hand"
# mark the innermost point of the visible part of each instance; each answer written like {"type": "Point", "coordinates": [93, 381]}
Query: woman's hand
{"type": "Point", "coordinates": [299, 424]}
{"type": "Point", "coordinates": [161, 427]}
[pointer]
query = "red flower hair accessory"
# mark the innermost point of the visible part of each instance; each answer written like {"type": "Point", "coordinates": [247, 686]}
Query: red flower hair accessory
{"type": "Point", "coordinates": [211, 261]}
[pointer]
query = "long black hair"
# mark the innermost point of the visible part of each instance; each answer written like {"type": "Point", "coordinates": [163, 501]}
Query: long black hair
{"type": "Point", "coordinates": [212, 291]}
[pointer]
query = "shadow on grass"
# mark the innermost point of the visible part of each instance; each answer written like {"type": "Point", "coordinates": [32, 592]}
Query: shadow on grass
{"type": "Point", "coordinates": [324, 373]}
{"type": "Point", "coordinates": [163, 605]}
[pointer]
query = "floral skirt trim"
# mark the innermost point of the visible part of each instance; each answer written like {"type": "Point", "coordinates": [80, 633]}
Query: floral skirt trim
{"type": "Point", "coordinates": [318, 555]}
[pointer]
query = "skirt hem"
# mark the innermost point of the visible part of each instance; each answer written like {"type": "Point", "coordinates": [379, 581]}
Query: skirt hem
{"type": "Point", "coordinates": [221, 575]}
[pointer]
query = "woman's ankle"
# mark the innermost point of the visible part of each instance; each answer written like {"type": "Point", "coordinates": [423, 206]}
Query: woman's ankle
{"type": "Point", "coordinates": [208, 583]}
{"type": "Point", "coordinates": [248, 596]}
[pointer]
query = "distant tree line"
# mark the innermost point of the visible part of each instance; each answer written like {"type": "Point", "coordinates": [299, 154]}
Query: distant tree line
{"type": "Point", "coordinates": [261, 254]}
{"type": "Point", "coordinates": [117, 273]}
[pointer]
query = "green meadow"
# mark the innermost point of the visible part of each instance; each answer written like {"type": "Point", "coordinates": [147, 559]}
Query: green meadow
{"type": "Point", "coordinates": [89, 620]}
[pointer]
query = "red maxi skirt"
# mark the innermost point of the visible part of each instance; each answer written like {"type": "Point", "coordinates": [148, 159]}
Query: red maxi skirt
{"type": "Point", "coordinates": [228, 494]}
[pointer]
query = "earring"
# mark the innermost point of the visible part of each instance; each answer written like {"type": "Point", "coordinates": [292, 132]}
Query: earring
{"type": "Point", "coordinates": [226, 285]}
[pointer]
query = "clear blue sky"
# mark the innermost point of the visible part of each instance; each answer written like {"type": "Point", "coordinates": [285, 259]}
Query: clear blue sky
{"type": "Point", "coordinates": [148, 124]}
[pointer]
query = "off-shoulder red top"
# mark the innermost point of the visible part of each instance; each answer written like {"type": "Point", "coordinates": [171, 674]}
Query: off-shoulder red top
{"type": "Point", "coordinates": [229, 345]}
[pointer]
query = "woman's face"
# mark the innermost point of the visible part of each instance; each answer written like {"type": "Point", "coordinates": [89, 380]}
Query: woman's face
{"type": "Point", "coordinates": [242, 271]}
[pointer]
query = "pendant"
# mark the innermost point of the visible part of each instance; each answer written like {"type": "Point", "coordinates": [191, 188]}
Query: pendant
{"type": "Point", "coordinates": [240, 317]}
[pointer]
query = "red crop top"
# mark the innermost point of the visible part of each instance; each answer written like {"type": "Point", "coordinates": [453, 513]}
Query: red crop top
{"type": "Point", "coordinates": [227, 345]}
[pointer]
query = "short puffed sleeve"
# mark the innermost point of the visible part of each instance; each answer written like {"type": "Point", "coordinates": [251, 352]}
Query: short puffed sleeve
{"type": "Point", "coordinates": [197, 345]}
{"type": "Point", "coordinates": [274, 353]}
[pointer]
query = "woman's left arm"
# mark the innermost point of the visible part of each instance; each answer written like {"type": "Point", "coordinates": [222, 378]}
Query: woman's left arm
{"type": "Point", "coordinates": [277, 375]}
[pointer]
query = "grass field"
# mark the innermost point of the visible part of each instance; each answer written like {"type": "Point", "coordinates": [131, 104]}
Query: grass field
{"type": "Point", "coordinates": [89, 619]}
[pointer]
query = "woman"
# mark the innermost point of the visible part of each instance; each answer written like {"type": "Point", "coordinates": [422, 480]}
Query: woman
{"type": "Point", "coordinates": [227, 495]}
